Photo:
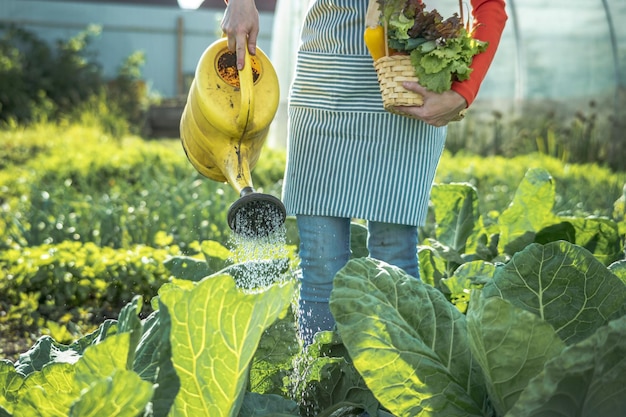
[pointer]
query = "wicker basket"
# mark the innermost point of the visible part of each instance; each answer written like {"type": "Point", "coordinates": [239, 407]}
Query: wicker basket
{"type": "Point", "coordinates": [392, 71]}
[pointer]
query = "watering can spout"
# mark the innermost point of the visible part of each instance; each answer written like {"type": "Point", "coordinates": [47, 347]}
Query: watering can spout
{"type": "Point", "coordinates": [256, 215]}
{"type": "Point", "coordinates": [224, 126]}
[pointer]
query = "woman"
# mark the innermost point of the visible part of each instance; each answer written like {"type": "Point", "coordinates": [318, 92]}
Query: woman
{"type": "Point", "coordinates": [347, 157]}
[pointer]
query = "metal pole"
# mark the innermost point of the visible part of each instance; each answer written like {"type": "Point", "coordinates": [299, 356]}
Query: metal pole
{"type": "Point", "coordinates": [520, 79]}
{"type": "Point", "coordinates": [614, 50]}
{"type": "Point", "coordinates": [180, 32]}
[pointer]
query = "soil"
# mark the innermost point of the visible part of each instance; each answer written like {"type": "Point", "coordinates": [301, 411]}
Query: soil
{"type": "Point", "coordinates": [227, 68]}
{"type": "Point", "coordinates": [12, 345]}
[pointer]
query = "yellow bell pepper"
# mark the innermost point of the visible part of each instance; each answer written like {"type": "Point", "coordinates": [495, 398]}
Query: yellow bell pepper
{"type": "Point", "coordinates": [375, 41]}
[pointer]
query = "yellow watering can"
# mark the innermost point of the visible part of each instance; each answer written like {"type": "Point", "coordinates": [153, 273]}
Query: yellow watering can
{"type": "Point", "coordinates": [224, 126]}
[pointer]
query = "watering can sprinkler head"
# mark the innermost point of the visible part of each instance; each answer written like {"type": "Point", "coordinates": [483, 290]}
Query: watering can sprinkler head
{"type": "Point", "coordinates": [256, 215]}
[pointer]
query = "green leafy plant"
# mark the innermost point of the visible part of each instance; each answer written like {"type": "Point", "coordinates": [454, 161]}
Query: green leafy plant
{"type": "Point", "coordinates": [548, 325]}
{"type": "Point", "coordinates": [463, 235]}
{"type": "Point", "coordinates": [184, 342]}
{"type": "Point", "coordinates": [40, 82]}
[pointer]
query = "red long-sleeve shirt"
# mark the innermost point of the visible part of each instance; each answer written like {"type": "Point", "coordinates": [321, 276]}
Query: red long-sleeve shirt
{"type": "Point", "coordinates": [489, 19]}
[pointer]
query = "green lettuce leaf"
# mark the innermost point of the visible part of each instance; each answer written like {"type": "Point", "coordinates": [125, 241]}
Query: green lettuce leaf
{"type": "Point", "coordinates": [437, 68]}
{"type": "Point", "coordinates": [215, 330]}
{"type": "Point", "coordinates": [407, 341]}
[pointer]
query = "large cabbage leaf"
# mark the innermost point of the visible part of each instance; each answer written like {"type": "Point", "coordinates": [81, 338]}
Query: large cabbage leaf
{"type": "Point", "coordinates": [123, 394]}
{"type": "Point", "coordinates": [215, 330]}
{"type": "Point", "coordinates": [468, 276]}
{"type": "Point", "coordinates": [546, 298]}
{"type": "Point", "coordinates": [407, 341]}
{"type": "Point", "coordinates": [585, 380]}
{"type": "Point", "coordinates": [529, 212]}
{"type": "Point", "coordinates": [511, 345]}
{"type": "Point", "coordinates": [456, 213]}
{"type": "Point", "coordinates": [274, 356]}
{"type": "Point", "coordinates": [327, 383]}
{"type": "Point", "coordinates": [10, 384]}
{"type": "Point", "coordinates": [599, 236]}
{"type": "Point", "coordinates": [98, 381]}
{"type": "Point", "coordinates": [564, 285]}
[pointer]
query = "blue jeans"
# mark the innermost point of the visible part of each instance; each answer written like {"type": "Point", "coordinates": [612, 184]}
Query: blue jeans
{"type": "Point", "coordinates": [325, 249]}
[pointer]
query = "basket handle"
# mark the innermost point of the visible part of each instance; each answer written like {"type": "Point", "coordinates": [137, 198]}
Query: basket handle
{"type": "Point", "coordinates": [372, 19]}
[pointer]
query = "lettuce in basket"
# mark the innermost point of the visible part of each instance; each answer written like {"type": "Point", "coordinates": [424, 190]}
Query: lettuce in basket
{"type": "Point", "coordinates": [441, 49]}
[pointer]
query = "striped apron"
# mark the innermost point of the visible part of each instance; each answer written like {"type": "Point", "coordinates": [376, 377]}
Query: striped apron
{"type": "Point", "coordinates": [346, 156]}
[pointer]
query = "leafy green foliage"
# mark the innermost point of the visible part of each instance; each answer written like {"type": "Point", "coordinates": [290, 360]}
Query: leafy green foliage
{"type": "Point", "coordinates": [40, 82]}
{"type": "Point", "coordinates": [564, 285]}
{"type": "Point", "coordinates": [581, 190]}
{"type": "Point", "coordinates": [84, 279]}
{"type": "Point", "coordinates": [548, 297]}
{"type": "Point", "coordinates": [140, 191]}
{"type": "Point", "coordinates": [224, 335]}
{"type": "Point", "coordinates": [588, 374]}
{"type": "Point", "coordinates": [113, 370]}
{"type": "Point", "coordinates": [326, 383]}
{"type": "Point", "coordinates": [438, 67]}
{"type": "Point", "coordinates": [454, 332]}
{"type": "Point", "coordinates": [409, 343]}
{"type": "Point", "coordinates": [400, 342]}
{"type": "Point", "coordinates": [528, 336]}
{"type": "Point", "coordinates": [64, 389]}
{"type": "Point", "coordinates": [35, 78]}
{"type": "Point", "coordinates": [461, 234]}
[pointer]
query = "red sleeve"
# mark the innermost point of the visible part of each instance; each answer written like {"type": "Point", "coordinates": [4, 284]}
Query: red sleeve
{"type": "Point", "coordinates": [489, 19]}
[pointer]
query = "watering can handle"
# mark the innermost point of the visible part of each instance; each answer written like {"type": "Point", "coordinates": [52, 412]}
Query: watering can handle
{"type": "Point", "coordinates": [246, 86]}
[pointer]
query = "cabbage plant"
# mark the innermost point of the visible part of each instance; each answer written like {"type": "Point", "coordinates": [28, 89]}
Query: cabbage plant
{"type": "Point", "coordinates": [544, 336]}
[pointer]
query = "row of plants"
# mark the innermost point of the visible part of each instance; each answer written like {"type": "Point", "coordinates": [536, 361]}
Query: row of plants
{"type": "Point", "coordinates": [521, 317]}
{"type": "Point", "coordinates": [81, 233]}
{"type": "Point", "coordinates": [580, 130]}
{"type": "Point", "coordinates": [56, 186]}
{"type": "Point", "coordinates": [75, 182]}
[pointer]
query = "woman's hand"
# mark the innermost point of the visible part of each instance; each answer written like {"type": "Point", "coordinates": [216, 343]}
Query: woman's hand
{"type": "Point", "coordinates": [241, 26]}
{"type": "Point", "coordinates": [438, 109]}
